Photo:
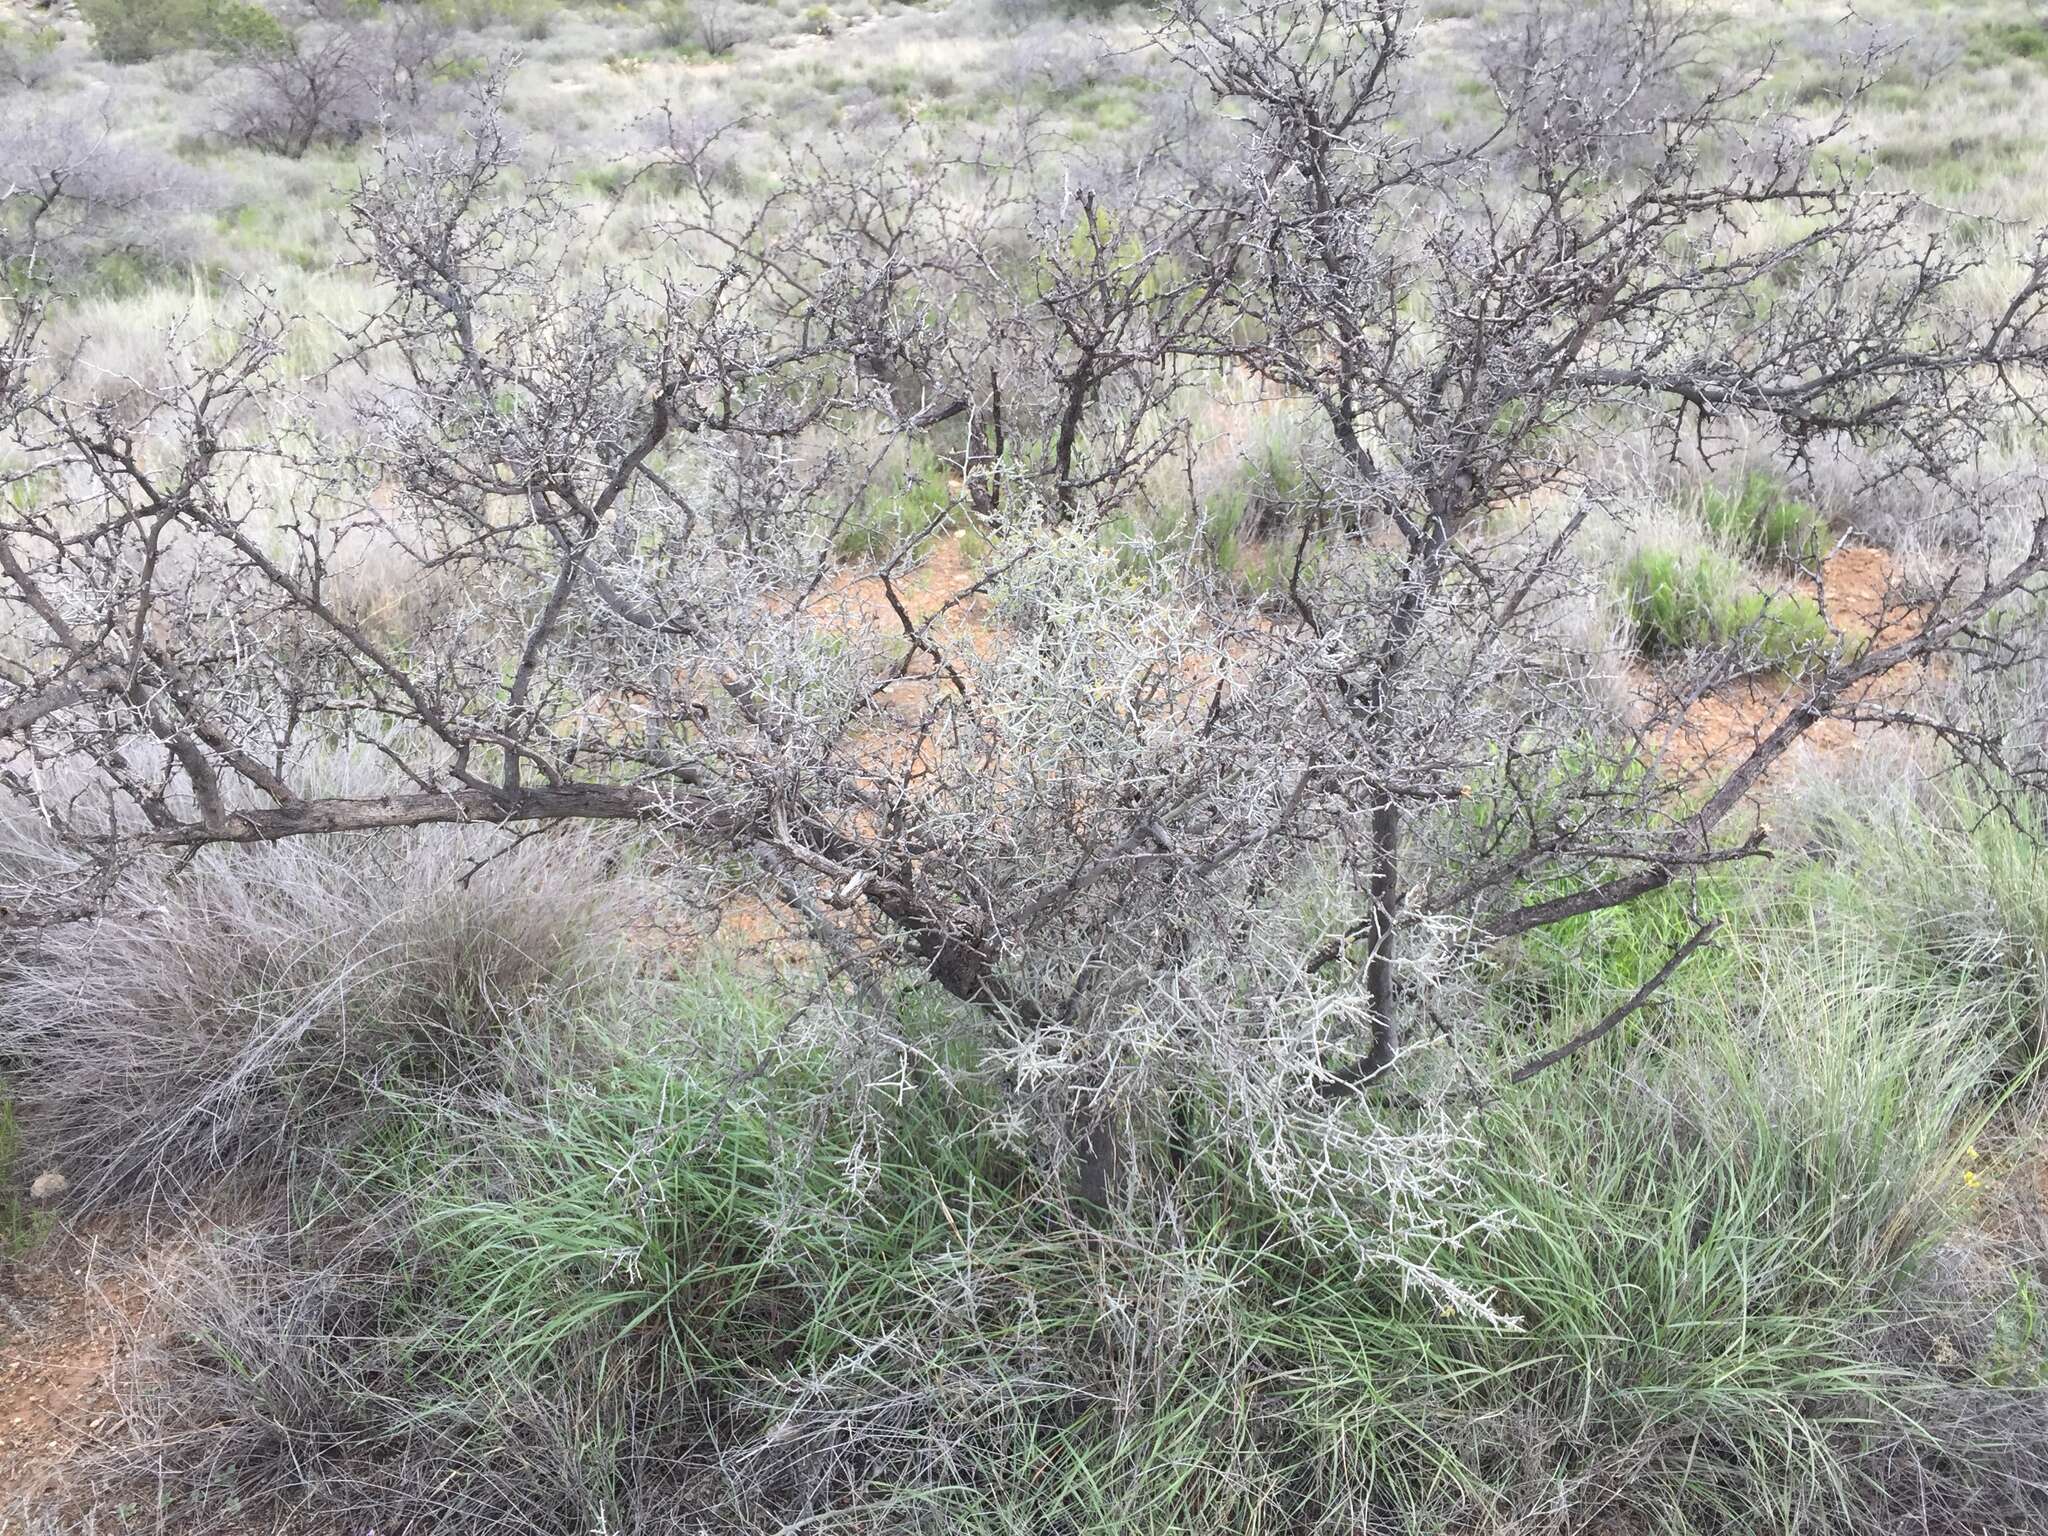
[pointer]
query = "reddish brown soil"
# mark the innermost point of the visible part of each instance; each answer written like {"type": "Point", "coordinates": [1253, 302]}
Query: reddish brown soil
{"type": "Point", "coordinates": [66, 1315]}
{"type": "Point", "coordinates": [1861, 600]}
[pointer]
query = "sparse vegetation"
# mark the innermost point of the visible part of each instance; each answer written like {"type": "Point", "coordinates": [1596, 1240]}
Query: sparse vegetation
{"type": "Point", "coordinates": [22, 1225]}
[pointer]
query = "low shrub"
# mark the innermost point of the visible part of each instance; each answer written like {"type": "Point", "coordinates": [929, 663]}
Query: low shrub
{"type": "Point", "coordinates": [1680, 603]}
{"type": "Point", "coordinates": [673, 24]}
{"type": "Point", "coordinates": [134, 31]}
{"type": "Point", "coordinates": [28, 53]}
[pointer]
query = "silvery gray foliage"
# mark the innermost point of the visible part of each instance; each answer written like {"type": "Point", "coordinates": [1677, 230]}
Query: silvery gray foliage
{"type": "Point", "coordinates": [1193, 868]}
{"type": "Point", "coordinates": [333, 72]}
{"type": "Point", "coordinates": [320, 85]}
{"type": "Point", "coordinates": [74, 190]}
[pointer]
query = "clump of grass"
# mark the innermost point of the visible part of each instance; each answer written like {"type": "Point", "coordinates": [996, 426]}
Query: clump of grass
{"type": "Point", "coordinates": [250, 1017]}
{"type": "Point", "coordinates": [1572, 973]}
{"type": "Point", "coordinates": [663, 1296]}
{"type": "Point", "coordinates": [1237, 502]}
{"type": "Point", "coordinates": [911, 497]}
{"type": "Point", "coordinates": [1680, 603]}
{"type": "Point", "coordinates": [1950, 879]}
{"type": "Point", "coordinates": [1255, 499]}
{"type": "Point", "coordinates": [1721, 1241]}
{"type": "Point", "coordinates": [1756, 518]}
{"type": "Point", "coordinates": [31, 865]}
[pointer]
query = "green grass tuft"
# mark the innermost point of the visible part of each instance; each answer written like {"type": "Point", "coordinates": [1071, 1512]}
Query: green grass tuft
{"type": "Point", "coordinates": [1757, 519]}
{"type": "Point", "coordinates": [1707, 602]}
{"type": "Point", "coordinates": [1719, 1244]}
{"type": "Point", "coordinates": [912, 501]}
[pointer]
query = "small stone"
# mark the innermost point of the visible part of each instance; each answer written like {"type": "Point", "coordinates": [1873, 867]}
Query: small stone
{"type": "Point", "coordinates": [48, 1185]}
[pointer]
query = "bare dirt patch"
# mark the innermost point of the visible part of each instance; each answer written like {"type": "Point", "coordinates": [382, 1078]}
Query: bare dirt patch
{"type": "Point", "coordinates": [67, 1315]}
{"type": "Point", "coordinates": [1862, 593]}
